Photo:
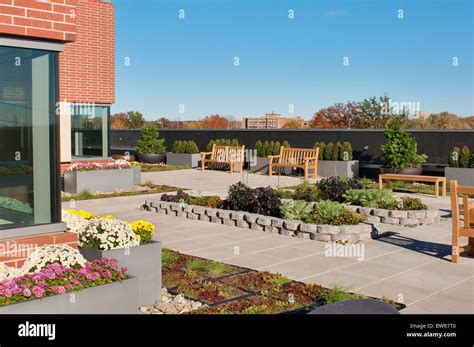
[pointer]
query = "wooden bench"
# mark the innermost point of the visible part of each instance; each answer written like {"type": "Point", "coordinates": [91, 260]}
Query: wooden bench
{"type": "Point", "coordinates": [231, 155]}
{"type": "Point", "coordinates": [415, 178]}
{"type": "Point", "coordinates": [462, 228]}
{"type": "Point", "coordinates": [304, 158]}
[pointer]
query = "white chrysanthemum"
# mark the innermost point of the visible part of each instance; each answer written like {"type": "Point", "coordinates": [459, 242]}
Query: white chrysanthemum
{"type": "Point", "coordinates": [75, 223]}
{"type": "Point", "coordinates": [50, 254]}
{"type": "Point", "coordinates": [108, 234]}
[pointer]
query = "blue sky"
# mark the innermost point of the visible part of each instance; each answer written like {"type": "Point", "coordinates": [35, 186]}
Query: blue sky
{"type": "Point", "coordinates": [286, 61]}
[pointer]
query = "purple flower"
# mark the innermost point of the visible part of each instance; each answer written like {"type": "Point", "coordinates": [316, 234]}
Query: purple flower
{"type": "Point", "coordinates": [38, 292]}
{"type": "Point", "coordinates": [27, 292]}
{"type": "Point", "coordinates": [7, 293]}
{"type": "Point", "coordinates": [59, 290]}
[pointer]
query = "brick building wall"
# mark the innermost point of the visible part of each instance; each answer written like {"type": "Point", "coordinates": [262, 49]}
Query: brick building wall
{"type": "Point", "coordinates": [53, 20]}
{"type": "Point", "coordinates": [86, 73]}
{"type": "Point", "coordinates": [87, 65]}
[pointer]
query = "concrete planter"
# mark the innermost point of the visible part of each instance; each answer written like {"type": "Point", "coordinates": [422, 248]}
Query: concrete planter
{"type": "Point", "coordinates": [143, 262]}
{"type": "Point", "coordinates": [155, 158]}
{"type": "Point", "coordinates": [113, 298]}
{"type": "Point", "coordinates": [464, 176]}
{"type": "Point", "coordinates": [137, 174]}
{"type": "Point", "coordinates": [259, 166]}
{"type": "Point", "coordinates": [347, 168]}
{"type": "Point", "coordinates": [98, 181]}
{"type": "Point", "coordinates": [183, 159]}
{"type": "Point", "coordinates": [406, 171]}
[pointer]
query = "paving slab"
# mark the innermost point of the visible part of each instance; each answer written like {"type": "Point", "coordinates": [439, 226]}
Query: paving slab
{"type": "Point", "coordinates": [412, 264]}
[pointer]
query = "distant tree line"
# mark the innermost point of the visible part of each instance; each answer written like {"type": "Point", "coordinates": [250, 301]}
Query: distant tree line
{"type": "Point", "coordinates": [374, 112]}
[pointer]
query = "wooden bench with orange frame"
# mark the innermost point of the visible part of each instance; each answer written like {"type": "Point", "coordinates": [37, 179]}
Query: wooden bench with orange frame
{"type": "Point", "coordinates": [304, 158]}
{"type": "Point", "coordinates": [415, 178]}
{"type": "Point", "coordinates": [231, 155]}
{"type": "Point", "coordinates": [462, 228]}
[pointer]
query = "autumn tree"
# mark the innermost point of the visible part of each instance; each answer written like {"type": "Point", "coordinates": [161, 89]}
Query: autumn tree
{"type": "Point", "coordinates": [215, 122]}
{"type": "Point", "coordinates": [336, 116]}
{"type": "Point", "coordinates": [118, 121]}
{"type": "Point", "coordinates": [135, 120]}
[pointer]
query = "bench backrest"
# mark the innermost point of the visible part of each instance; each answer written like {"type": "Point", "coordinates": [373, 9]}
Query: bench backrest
{"type": "Point", "coordinates": [463, 192]}
{"type": "Point", "coordinates": [297, 155]}
{"type": "Point", "coordinates": [228, 153]}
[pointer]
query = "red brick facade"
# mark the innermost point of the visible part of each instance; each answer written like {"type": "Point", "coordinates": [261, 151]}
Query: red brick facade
{"type": "Point", "coordinates": [14, 252]}
{"type": "Point", "coordinates": [87, 66]}
{"type": "Point", "coordinates": [52, 20]}
{"type": "Point", "coordinates": [86, 71]}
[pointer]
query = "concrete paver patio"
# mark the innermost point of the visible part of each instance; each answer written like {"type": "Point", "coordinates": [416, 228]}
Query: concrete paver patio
{"type": "Point", "coordinates": [409, 264]}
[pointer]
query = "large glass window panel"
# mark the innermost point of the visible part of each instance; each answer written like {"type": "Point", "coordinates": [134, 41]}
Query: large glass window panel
{"type": "Point", "coordinates": [28, 181]}
{"type": "Point", "coordinates": [90, 130]}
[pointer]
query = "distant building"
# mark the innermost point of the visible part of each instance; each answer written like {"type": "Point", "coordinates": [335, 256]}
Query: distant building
{"type": "Point", "coordinates": [421, 115]}
{"type": "Point", "coordinates": [270, 121]}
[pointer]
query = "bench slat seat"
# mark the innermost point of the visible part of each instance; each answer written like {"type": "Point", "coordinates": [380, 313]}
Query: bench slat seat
{"type": "Point", "coordinates": [231, 155]}
{"type": "Point", "coordinates": [304, 158]}
{"type": "Point", "coordinates": [416, 178]}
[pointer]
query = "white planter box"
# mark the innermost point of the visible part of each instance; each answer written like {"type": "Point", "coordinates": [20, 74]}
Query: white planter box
{"type": "Point", "coordinates": [349, 168]}
{"type": "Point", "coordinates": [464, 176]}
{"type": "Point", "coordinates": [143, 262]}
{"type": "Point", "coordinates": [183, 159]}
{"type": "Point", "coordinates": [98, 181]}
{"type": "Point", "coordinates": [113, 298]}
{"type": "Point", "coordinates": [137, 174]}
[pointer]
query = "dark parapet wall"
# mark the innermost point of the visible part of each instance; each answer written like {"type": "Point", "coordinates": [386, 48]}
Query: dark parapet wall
{"type": "Point", "coordinates": [366, 142]}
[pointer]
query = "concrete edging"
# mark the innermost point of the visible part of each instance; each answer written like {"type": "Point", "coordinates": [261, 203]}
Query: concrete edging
{"type": "Point", "coordinates": [397, 217]}
{"type": "Point", "coordinates": [246, 220]}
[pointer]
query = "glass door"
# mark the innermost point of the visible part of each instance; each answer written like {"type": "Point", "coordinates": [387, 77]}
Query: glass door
{"type": "Point", "coordinates": [28, 182]}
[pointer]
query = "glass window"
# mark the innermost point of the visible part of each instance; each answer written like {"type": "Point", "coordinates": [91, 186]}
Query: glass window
{"type": "Point", "coordinates": [90, 130]}
{"type": "Point", "coordinates": [28, 160]}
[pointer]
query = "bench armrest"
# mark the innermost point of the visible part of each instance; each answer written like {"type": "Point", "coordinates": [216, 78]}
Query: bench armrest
{"type": "Point", "coordinates": [203, 154]}
{"type": "Point", "coordinates": [310, 158]}
{"type": "Point", "coordinates": [272, 157]}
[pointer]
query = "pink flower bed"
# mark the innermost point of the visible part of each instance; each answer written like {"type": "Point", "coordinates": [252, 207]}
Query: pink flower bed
{"type": "Point", "coordinates": [98, 166]}
{"type": "Point", "coordinates": [56, 279]}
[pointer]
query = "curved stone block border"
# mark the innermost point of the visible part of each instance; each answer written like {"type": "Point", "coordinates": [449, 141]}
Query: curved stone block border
{"type": "Point", "coordinates": [259, 222]}
{"type": "Point", "coordinates": [396, 217]}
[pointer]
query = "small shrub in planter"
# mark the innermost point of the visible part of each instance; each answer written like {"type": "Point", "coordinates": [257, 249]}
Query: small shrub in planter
{"type": "Point", "coordinates": [222, 142]}
{"type": "Point", "coordinates": [334, 188]}
{"type": "Point", "coordinates": [185, 147]}
{"type": "Point", "coordinates": [400, 151]}
{"type": "Point", "coordinates": [333, 213]}
{"type": "Point", "coordinates": [150, 148]}
{"type": "Point", "coordinates": [328, 151]}
{"type": "Point", "coordinates": [461, 165]}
